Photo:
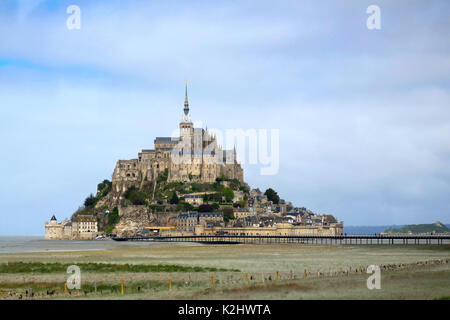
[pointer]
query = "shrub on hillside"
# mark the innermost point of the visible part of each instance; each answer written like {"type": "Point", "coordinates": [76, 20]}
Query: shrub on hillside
{"type": "Point", "coordinates": [90, 201]}
{"type": "Point", "coordinates": [135, 196]}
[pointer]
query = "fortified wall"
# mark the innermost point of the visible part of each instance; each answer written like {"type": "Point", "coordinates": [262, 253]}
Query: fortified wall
{"type": "Point", "coordinates": [83, 227]}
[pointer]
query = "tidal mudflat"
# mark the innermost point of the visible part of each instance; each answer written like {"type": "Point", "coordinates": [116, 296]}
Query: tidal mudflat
{"type": "Point", "coordinates": [278, 271]}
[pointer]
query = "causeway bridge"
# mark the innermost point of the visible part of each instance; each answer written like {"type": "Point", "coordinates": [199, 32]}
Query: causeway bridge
{"type": "Point", "coordinates": [303, 239]}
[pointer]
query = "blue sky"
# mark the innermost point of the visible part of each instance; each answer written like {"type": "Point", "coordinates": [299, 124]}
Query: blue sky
{"type": "Point", "coordinates": [364, 115]}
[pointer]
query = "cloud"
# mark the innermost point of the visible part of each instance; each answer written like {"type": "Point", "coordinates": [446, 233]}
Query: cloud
{"type": "Point", "coordinates": [363, 115]}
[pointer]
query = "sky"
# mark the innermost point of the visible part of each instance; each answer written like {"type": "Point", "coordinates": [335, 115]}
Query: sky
{"type": "Point", "coordinates": [363, 115]}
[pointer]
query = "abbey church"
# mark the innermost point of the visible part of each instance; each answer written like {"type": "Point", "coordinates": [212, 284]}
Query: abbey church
{"type": "Point", "coordinates": [193, 156]}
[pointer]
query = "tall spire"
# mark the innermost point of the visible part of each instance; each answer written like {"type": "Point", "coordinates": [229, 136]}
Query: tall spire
{"type": "Point", "coordinates": [186, 102]}
{"type": "Point", "coordinates": [186, 116]}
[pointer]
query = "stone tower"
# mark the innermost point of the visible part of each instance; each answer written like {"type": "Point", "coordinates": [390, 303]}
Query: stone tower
{"type": "Point", "coordinates": [186, 126]}
{"type": "Point", "coordinates": [203, 159]}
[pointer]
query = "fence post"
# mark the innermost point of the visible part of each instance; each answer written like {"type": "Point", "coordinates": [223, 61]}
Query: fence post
{"type": "Point", "coordinates": [340, 271]}
{"type": "Point", "coordinates": [65, 289]}
{"type": "Point", "coordinates": [360, 269]}
{"type": "Point", "coordinates": [212, 281]}
{"type": "Point", "coordinates": [278, 275]}
{"type": "Point", "coordinates": [304, 273]}
{"type": "Point", "coordinates": [121, 286]}
{"type": "Point", "coordinates": [170, 284]}
{"type": "Point", "coordinates": [246, 278]}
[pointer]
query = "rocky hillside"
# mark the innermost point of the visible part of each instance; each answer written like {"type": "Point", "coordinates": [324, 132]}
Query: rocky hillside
{"type": "Point", "coordinates": [154, 204]}
{"type": "Point", "coordinates": [134, 218]}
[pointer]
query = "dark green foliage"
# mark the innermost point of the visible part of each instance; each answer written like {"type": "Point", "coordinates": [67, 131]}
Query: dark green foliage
{"type": "Point", "coordinates": [221, 178]}
{"type": "Point", "coordinates": [184, 206]}
{"type": "Point", "coordinates": [205, 208]}
{"type": "Point", "coordinates": [206, 197]}
{"type": "Point", "coordinates": [103, 188]}
{"type": "Point", "coordinates": [163, 176]}
{"type": "Point", "coordinates": [38, 267]}
{"type": "Point", "coordinates": [272, 196]}
{"type": "Point", "coordinates": [228, 213]}
{"type": "Point", "coordinates": [215, 206]}
{"type": "Point", "coordinates": [113, 216]}
{"type": "Point", "coordinates": [196, 187]}
{"type": "Point", "coordinates": [235, 184]}
{"type": "Point", "coordinates": [241, 203]}
{"type": "Point", "coordinates": [157, 208]}
{"type": "Point", "coordinates": [437, 227]}
{"type": "Point", "coordinates": [175, 186]}
{"type": "Point", "coordinates": [205, 187]}
{"type": "Point", "coordinates": [217, 197]}
{"type": "Point", "coordinates": [217, 186]}
{"type": "Point", "coordinates": [90, 201]}
{"type": "Point", "coordinates": [174, 199]}
{"type": "Point", "coordinates": [113, 219]}
{"type": "Point", "coordinates": [135, 196]}
{"type": "Point", "coordinates": [245, 188]}
{"type": "Point", "coordinates": [228, 193]}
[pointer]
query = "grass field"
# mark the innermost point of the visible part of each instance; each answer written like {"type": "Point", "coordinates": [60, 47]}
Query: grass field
{"type": "Point", "coordinates": [237, 272]}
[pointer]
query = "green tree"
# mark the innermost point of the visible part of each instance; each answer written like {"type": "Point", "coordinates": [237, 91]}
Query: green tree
{"type": "Point", "coordinates": [135, 196]}
{"type": "Point", "coordinates": [163, 176]}
{"type": "Point", "coordinates": [174, 199]}
{"type": "Point", "coordinates": [90, 201]}
{"type": "Point", "coordinates": [184, 206]}
{"type": "Point", "coordinates": [235, 184]}
{"type": "Point", "coordinates": [103, 188]}
{"type": "Point", "coordinates": [228, 193]}
{"type": "Point", "coordinates": [113, 218]}
{"type": "Point", "coordinates": [228, 214]}
{"type": "Point", "coordinates": [217, 197]}
{"type": "Point", "coordinates": [272, 196]}
{"type": "Point", "coordinates": [241, 203]}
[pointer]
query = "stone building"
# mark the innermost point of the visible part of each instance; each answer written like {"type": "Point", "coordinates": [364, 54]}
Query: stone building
{"type": "Point", "coordinates": [188, 221]}
{"type": "Point", "coordinates": [194, 199]}
{"type": "Point", "coordinates": [80, 228]}
{"type": "Point", "coordinates": [280, 229]}
{"type": "Point", "coordinates": [192, 156]}
{"type": "Point", "coordinates": [55, 230]}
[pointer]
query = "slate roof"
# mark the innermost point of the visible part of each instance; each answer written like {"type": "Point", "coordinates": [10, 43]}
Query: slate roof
{"type": "Point", "coordinates": [166, 139]}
